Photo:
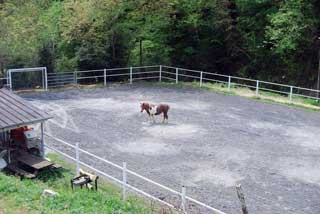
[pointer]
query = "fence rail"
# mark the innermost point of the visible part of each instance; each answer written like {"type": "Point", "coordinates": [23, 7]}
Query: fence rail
{"type": "Point", "coordinates": [171, 73]}
{"type": "Point", "coordinates": [125, 171]}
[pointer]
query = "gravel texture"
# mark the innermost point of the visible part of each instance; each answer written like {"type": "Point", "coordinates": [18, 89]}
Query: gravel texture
{"type": "Point", "coordinates": [211, 143]}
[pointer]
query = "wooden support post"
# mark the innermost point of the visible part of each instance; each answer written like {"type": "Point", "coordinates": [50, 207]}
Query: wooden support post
{"type": "Point", "coordinates": [160, 73]}
{"type": "Point", "coordinates": [229, 83]}
{"type": "Point", "coordinates": [242, 200]}
{"type": "Point", "coordinates": [257, 88]}
{"type": "Point", "coordinates": [291, 92]}
{"type": "Point", "coordinates": [201, 77]}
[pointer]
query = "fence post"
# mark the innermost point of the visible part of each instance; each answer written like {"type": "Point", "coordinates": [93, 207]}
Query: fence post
{"type": "Point", "coordinates": [124, 181]}
{"type": "Point", "coordinates": [160, 73]}
{"type": "Point", "coordinates": [291, 92]}
{"type": "Point", "coordinates": [201, 76]}
{"type": "Point", "coordinates": [242, 200]}
{"type": "Point", "coordinates": [46, 79]}
{"type": "Point", "coordinates": [130, 75]}
{"type": "Point", "coordinates": [105, 77]}
{"type": "Point", "coordinates": [177, 75]}
{"type": "Point", "coordinates": [75, 74]}
{"type": "Point", "coordinates": [183, 199]}
{"type": "Point", "coordinates": [77, 160]}
{"type": "Point", "coordinates": [257, 88]}
{"type": "Point", "coordinates": [229, 83]}
{"type": "Point", "coordinates": [10, 80]}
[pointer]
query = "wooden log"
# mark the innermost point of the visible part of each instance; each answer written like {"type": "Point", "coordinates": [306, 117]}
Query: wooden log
{"type": "Point", "coordinates": [241, 199]}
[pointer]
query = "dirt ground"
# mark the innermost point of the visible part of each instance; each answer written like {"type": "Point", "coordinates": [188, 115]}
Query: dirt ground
{"type": "Point", "coordinates": [211, 143]}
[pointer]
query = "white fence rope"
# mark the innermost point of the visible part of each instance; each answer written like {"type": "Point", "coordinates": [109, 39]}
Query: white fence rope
{"type": "Point", "coordinates": [127, 171]}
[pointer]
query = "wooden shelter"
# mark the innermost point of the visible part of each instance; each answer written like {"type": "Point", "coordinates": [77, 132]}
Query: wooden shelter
{"type": "Point", "coordinates": [16, 114]}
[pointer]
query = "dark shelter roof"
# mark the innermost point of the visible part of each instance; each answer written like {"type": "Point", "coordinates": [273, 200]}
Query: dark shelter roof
{"type": "Point", "coordinates": [16, 111]}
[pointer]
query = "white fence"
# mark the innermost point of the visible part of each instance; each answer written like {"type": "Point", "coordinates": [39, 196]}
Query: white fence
{"type": "Point", "coordinates": [175, 74]}
{"type": "Point", "coordinates": [184, 199]}
{"type": "Point", "coordinates": [170, 73]}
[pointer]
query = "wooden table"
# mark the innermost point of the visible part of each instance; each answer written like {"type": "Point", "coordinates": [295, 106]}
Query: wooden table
{"type": "Point", "coordinates": [33, 161]}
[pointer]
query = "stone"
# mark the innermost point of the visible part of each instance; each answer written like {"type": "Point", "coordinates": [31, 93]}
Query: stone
{"type": "Point", "coordinates": [49, 193]}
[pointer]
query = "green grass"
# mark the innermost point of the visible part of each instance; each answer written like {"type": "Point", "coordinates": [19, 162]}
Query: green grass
{"type": "Point", "coordinates": [25, 195]}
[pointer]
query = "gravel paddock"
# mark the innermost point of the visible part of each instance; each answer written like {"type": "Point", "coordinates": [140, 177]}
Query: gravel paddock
{"type": "Point", "coordinates": [211, 143]}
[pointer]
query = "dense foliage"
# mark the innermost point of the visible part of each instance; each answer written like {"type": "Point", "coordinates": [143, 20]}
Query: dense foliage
{"type": "Point", "coordinates": [266, 39]}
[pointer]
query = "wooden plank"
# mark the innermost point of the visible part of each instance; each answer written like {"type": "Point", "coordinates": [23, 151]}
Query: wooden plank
{"type": "Point", "coordinates": [2, 123]}
{"type": "Point", "coordinates": [25, 105]}
{"type": "Point", "coordinates": [28, 105]}
{"type": "Point", "coordinates": [10, 102]}
{"type": "Point", "coordinates": [13, 102]}
{"type": "Point", "coordinates": [5, 118]}
{"type": "Point", "coordinates": [34, 162]}
{"type": "Point", "coordinates": [13, 112]}
{"type": "Point", "coordinates": [22, 115]}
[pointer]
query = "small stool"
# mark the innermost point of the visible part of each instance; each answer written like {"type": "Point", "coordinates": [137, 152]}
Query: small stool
{"type": "Point", "coordinates": [85, 179]}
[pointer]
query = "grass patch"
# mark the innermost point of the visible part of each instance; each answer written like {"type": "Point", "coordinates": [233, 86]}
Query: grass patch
{"type": "Point", "coordinates": [26, 195]}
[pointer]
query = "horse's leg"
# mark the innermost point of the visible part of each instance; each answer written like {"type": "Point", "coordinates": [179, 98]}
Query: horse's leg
{"type": "Point", "coordinates": [152, 117]}
{"type": "Point", "coordinates": [165, 115]}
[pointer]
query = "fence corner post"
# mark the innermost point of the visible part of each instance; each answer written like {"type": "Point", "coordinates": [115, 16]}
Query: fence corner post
{"type": "Point", "coordinates": [105, 77]}
{"type": "Point", "coordinates": [242, 199]}
{"type": "Point", "coordinates": [160, 73]}
{"type": "Point", "coordinates": [291, 92]}
{"type": "Point", "coordinates": [201, 77]}
{"type": "Point", "coordinates": [229, 83]}
{"type": "Point", "coordinates": [257, 88]}
{"type": "Point", "coordinates": [131, 69]}
{"type": "Point", "coordinates": [124, 181]}
{"type": "Point", "coordinates": [177, 75]}
{"type": "Point", "coordinates": [77, 160]}
{"type": "Point", "coordinates": [183, 199]}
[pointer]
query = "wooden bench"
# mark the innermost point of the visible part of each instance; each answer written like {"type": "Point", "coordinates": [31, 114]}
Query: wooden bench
{"type": "Point", "coordinates": [35, 162]}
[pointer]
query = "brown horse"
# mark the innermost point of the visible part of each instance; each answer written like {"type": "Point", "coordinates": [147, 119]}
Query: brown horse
{"type": "Point", "coordinates": [156, 110]}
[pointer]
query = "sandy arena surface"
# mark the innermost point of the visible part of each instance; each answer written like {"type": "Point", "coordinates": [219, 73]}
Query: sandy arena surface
{"type": "Point", "coordinates": [211, 143]}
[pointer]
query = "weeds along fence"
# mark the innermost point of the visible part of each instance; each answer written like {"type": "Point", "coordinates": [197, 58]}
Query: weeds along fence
{"type": "Point", "coordinates": [176, 200]}
{"type": "Point", "coordinates": [175, 74]}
